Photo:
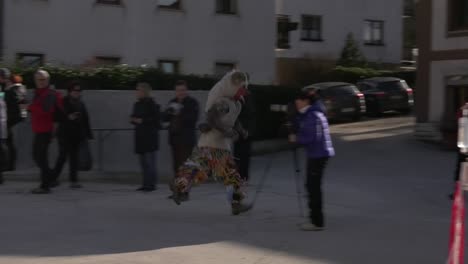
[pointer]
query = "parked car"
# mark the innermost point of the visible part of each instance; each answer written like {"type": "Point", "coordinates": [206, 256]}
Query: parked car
{"type": "Point", "coordinates": [341, 100]}
{"type": "Point", "coordinates": [385, 94]}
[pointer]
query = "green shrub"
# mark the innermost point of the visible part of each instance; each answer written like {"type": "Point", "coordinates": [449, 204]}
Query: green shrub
{"type": "Point", "coordinates": [354, 74]}
{"type": "Point", "coordinates": [351, 55]}
{"type": "Point", "coordinates": [268, 122]}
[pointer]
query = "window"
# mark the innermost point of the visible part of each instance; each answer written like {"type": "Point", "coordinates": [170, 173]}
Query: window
{"type": "Point", "coordinates": [170, 4]}
{"type": "Point", "coordinates": [311, 28]}
{"type": "Point", "coordinates": [109, 2]}
{"type": "Point", "coordinates": [104, 61]}
{"type": "Point", "coordinates": [283, 27]}
{"type": "Point", "coordinates": [221, 68]}
{"type": "Point", "coordinates": [226, 6]}
{"type": "Point", "coordinates": [409, 7]}
{"type": "Point", "coordinates": [344, 90]}
{"type": "Point", "coordinates": [30, 60]}
{"type": "Point", "coordinates": [393, 86]}
{"type": "Point", "coordinates": [169, 66]}
{"type": "Point", "coordinates": [365, 87]}
{"type": "Point", "coordinates": [458, 15]}
{"type": "Point", "coordinates": [374, 32]}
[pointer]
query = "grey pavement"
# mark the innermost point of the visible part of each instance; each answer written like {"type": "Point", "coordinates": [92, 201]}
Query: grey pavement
{"type": "Point", "coordinates": [386, 202]}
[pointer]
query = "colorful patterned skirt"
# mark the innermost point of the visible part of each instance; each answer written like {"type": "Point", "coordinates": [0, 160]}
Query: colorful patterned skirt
{"type": "Point", "coordinates": [208, 162]}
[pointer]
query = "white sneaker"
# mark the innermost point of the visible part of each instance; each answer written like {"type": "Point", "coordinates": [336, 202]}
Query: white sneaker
{"type": "Point", "coordinates": [310, 227]}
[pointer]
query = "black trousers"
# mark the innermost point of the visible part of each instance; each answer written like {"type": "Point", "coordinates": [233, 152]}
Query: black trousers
{"type": "Point", "coordinates": [68, 150]}
{"type": "Point", "coordinates": [180, 154]}
{"type": "Point", "coordinates": [11, 150]}
{"type": "Point", "coordinates": [315, 171]}
{"type": "Point", "coordinates": [242, 153]}
{"type": "Point", "coordinates": [41, 157]}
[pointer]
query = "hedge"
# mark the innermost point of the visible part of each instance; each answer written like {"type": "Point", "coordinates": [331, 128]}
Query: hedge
{"type": "Point", "coordinates": [115, 78]}
{"type": "Point", "coordinates": [124, 78]}
{"type": "Point", "coordinates": [353, 75]}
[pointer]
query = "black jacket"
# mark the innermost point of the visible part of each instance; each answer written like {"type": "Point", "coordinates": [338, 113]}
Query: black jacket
{"type": "Point", "coordinates": [78, 129]}
{"type": "Point", "coordinates": [14, 96]}
{"type": "Point", "coordinates": [247, 116]}
{"type": "Point", "coordinates": [146, 133]}
{"type": "Point", "coordinates": [182, 126]}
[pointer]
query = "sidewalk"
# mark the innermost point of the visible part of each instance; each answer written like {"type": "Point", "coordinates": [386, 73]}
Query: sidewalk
{"type": "Point", "coordinates": [386, 203]}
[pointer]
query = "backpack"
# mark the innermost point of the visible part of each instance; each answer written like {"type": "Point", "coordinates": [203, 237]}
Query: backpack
{"type": "Point", "coordinates": [50, 103]}
{"type": "Point", "coordinates": [14, 97]}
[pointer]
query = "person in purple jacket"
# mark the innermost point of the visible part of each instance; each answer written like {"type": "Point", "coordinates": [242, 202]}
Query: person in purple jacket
{"type": "Point", "coordinates": [313, 133]}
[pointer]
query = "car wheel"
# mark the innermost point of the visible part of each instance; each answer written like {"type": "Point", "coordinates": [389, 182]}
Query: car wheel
{"type": "Point", "coordinates": [406, 111]}
{"type": "Point", "coordinates": [357, 117]}
{"type": "Point", "coordinates": [377, 111]}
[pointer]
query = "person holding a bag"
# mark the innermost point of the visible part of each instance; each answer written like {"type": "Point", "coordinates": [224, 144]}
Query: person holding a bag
{"type": "Point", "coordinates": [73, 131]}
{"type": "Point", "coordinates": [313, 133]}
{"type": "Point", "coordinates": [147, 121]}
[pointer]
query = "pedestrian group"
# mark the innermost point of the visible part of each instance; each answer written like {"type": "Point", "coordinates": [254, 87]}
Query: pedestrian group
{"type": "Point", "coordinates": [222, 151]}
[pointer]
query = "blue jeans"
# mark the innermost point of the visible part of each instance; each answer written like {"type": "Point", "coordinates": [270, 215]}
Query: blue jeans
{"type": "Point", "coordinates": [148, 166]}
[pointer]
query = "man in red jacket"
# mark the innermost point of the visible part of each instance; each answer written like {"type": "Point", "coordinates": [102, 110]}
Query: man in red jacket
{"type": "Point", "coordinates": [46, 108]}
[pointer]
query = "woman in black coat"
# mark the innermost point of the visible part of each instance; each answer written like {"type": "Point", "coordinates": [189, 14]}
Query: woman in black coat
{"type": "Point", "coordinates": [146, 119]}
{"type": "Point", "coordinates": [73, 129]}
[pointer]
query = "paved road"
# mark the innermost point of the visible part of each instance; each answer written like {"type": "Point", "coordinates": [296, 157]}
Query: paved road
{"type": "Point", "coordinates": [385, 202]}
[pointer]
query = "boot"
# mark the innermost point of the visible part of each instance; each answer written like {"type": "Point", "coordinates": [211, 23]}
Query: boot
{"type": "Point", "coordinates": [239, 208]}
{"type": "Point", "coordinates": [178, 197]}
{"type": "Point", "coordinates": [184, 197]}
{"type": "Point", "coordinates": [310, 227]}
{"type": "Point", "coordinates": [40, 190]}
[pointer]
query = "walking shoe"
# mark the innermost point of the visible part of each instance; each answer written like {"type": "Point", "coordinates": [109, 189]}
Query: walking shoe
{"type": "Point", "coordinates": [75, 186]}
{"type": "Point", "coordinates": [40, 191]}
{"type": "Point", "coordinates": [310, 227]}
{"type": "Point", "coordinates": [149, 189]}
{"type": "Point", "coordinates": [180, 197]}
{"type": "Point", "coordinates": [183, 197]}
{"type": "Point", "coordinates": [239, 208]}
{"type": "Point", "coordinates": [54, 184]}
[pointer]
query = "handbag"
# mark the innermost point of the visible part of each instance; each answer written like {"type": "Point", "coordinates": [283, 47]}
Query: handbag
{"type": "Point", "coordinates": [85, 160]}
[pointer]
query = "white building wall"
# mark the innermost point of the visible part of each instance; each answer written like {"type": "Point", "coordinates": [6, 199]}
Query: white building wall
{"type": "Point", "coordinates": [440, 41]}
{"type": "Point", "coordinates": [340, 17]}
{"type": "Point", "coordinates": [440, 70]}
{"type": "Point", "coordinates": [72, 32]}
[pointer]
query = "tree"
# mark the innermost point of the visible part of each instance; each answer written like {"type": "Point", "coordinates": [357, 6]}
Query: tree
{"type": "Point", "coordinates": [351, 55]}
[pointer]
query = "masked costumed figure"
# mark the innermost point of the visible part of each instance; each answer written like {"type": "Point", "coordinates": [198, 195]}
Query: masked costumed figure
{"type": "Point", "coordinates": [213, 155]}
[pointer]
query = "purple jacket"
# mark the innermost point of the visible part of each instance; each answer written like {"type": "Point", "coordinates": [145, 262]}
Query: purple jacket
{"type": "Point", "coordinates": [314, 133]}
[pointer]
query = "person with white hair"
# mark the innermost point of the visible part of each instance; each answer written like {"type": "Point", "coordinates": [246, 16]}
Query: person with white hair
{"type": "Point", "coordinates": [46, 108]}
{"type": "Point", "coordinates": [213, 155]}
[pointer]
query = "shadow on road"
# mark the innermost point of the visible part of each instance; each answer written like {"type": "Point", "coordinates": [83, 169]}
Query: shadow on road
{"type": "Point", "coordinates": [385, 200]}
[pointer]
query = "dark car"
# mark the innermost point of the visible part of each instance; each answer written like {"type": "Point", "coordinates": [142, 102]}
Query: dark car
{"type": "Point", "coordinates": [341, 100]}
{"type": "Point", "coordinates": [384, 94]}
